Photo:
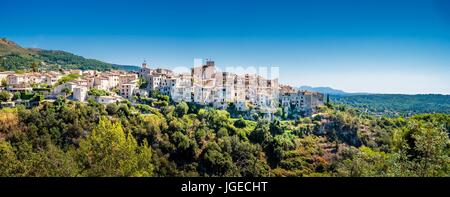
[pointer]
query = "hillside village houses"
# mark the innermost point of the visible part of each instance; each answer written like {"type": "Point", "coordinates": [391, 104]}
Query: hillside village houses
{"type": "Point", "coordinates": [78, 87]}
{"type": "Point", "coordinates": [203, 85]}
{"type": "Point", "coordinates": [249, 92]}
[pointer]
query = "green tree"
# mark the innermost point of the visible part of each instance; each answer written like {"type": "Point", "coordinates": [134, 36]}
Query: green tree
{"type": "Point", "coordinates": [35, 66]}
{"type": "Point", "coordinates": [365, 162]}
{"type": "Point", "coordinates": [66, 91]}
{"type": "Point", "coordinates": [98, 92]}
{"type": "Point", "coordinates": [328, 102]}
{"type": "Point", "coordinates": [67, 78]}
{"type": "Point", "coordinates": [109, 151]}
{"type": "Point", "coordinates": [4, 83]}
{"type": "Point", "coordinates": [24, 161]}
{"type": "Point", "coordinates": [112, 108]}
{"type": "Point", "coordinates": [261, 135]}
{"type": "Point", "coordinates": [424, 148]}
{"type": "Point", "coordinates": [142, 83]}
{"type": "Point", "coordinates": [17, 96]}
{"type": "Point", "coordinates": [181, 109]}
{"type": "Point", "coordinates": [275, 127]}
{"type": "Point", "coordinates": [38, 97]}
{"type": "Point", "coordinates": [217, 163]}
{"type": "Point", "coordinates": [240, 123]}
{"type": "Point", "coordinates": [5, 96]}
{"type": "Point", "coordinates": [50, 162]}
{"type": "Point", "coordinates": [8, 163]}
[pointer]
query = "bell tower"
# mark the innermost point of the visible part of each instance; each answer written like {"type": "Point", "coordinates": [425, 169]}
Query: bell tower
{"type": "Point", "coordinates": [144, 65]}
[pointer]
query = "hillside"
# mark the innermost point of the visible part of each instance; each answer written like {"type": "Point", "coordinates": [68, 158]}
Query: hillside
{"type": "Point", "coordinates": [65, 138]}
{"type": "Point", "coordinates": [15, 57]}
{"type": "Point", "coordinates": [8, 47]}
{"type": "Point", "coordinates": [396, 104]}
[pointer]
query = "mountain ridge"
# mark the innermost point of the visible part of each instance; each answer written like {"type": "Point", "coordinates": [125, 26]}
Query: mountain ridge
{"type": "Point", "coordinates": [15, 57]}
{"type": "Point", "coordinates": [330, 91]}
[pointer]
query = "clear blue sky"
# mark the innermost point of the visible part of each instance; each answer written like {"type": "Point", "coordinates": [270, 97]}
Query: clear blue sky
{"type": "Point", "coordinates": [358, 46]}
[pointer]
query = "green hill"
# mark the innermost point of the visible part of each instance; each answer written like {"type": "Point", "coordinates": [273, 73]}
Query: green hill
{"type": "Point", "coordinates": [396, 104]}
{"type": "Point", "coordinates": [15, 57]}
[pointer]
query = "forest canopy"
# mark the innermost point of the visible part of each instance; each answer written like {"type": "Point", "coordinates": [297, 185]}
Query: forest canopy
{"type": "Point", "coordinates": [67, 138]}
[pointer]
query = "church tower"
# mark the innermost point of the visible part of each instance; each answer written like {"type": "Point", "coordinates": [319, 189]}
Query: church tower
{"type": "Point", "coordinates": [144, 65]}
{"type": "Point", "coordinates": [144, 71]}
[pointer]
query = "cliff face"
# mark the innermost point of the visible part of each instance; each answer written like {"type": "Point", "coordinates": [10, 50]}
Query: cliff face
{"type": "Point", "coordinates": [339, 127]}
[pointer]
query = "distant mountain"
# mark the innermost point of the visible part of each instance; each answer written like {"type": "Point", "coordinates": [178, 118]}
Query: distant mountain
{"type": "Point", "coordinates": [328, 90]}
{"type": "Point", "coordinates": [324, 90]}
{"type": "Point", "coordinates": [15, 57]}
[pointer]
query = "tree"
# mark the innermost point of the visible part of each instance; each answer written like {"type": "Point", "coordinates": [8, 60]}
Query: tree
{"type": "Point", "coordinates": [9, 120]}
{"type": "Point", "coordinates": [112, 108]}
{"type": "Point", "coordinates": [66, 91]}
{"type": "Point", "coordinates": [223, 132]}
{"type": "Point", "coordinates": [50, 162]}
{"type": "Point", "coordinates": [16, 96]}
{"type": "Point", "coordinates": [240, 123]}
{"type": "Point", "coordinates": [433, 147]}
{"type": "Point", "coordinates": [216, 163]}
{"type": "Point", "coordinates": [67, 78]}
{"type": "Point", "coordinates": [261, 135]}
{"type": "Point", "coordinates": [124, 110]}
{"type": "Point", "coordinates": [366, 162]}
{"type": "Point", "coordinates": [424, 148]}
{"type": "Point", "coordinates": [328, 103]}
{"type": "Point", "coordinates": [279, 112]}
{"type": "Point", "coordinates": [5, 96]}
{"type": "Point", "coordinates": [248, 158]}
{"type": "Point", "coordinates": [109, 151]}
{"type": "Point", "coordinates": [98, 92]}
{"type": "Point", "coordinates": [181, 109]}
{"type": "Point", "coordinates": [35, 66]}
{"type": "Point", "coordinates": [38, 97]}
{"type": "Point", "coordinates": [217, 119]}
{"type": "Point", "coordinates": [4, 83]}
{"type": "Point", "coordinates": [24, 161]}
{"type": "Point", "coordinates": [142, 83]}
{"type": "Point", "coordinates": [8, 162]}
{"type": "Point", "coordinates": [275, 127]}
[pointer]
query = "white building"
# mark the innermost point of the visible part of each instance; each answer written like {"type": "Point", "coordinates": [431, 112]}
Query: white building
{"type": "Point", "coordinates": [108, 99]}
{"type": "Point", "coordinates": [126, 90]}
{"type": "Point", "coordinates": [14, 79]}
{"type": "Point", "coordinates": [101, 83]}
{"type": "Point", "coordinates": [182, 89]}
{"type": "Point", "coordinates": [60, 88]}
{"type": "Point", "coordinates": [295, 101]}
{"type": "Point", "coordinates": [80, 93]}
{"type": "Point", "coordinates": [145, 71]}
{"type": "Point", "coordinates": [51, 79]}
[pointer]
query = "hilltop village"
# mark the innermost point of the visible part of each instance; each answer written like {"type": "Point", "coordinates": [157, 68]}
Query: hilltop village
{"type": "Point", "coordinates": [204, 85]}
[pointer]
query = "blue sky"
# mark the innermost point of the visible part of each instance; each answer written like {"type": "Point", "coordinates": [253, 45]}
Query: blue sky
{"type": "Point", "coordinates": [358, 46]}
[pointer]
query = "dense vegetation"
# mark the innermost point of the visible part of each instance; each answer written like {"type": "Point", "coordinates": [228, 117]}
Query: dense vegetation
{"type": "Point", "coordinates": [14, 57]}
{"type": "Point", "coordinates": [396, 104]}
{"type": "Point", "coordinates": [66, 138]}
